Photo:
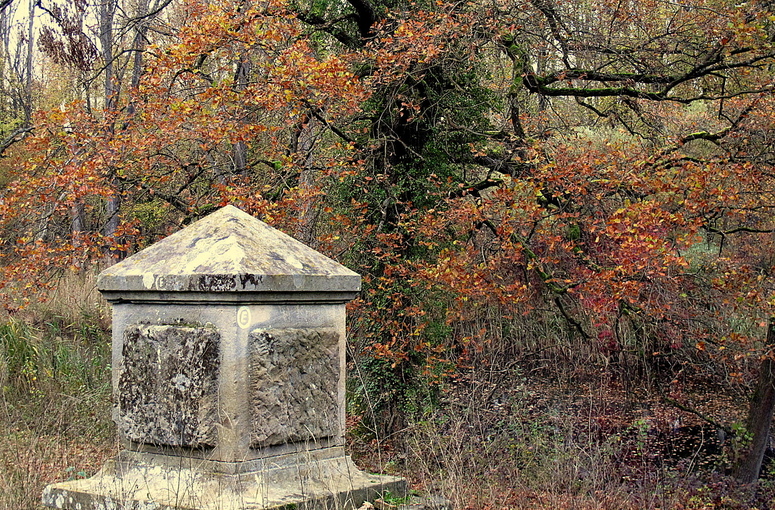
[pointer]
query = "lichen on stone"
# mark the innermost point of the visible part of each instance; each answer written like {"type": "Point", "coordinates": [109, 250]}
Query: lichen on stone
{"type": "Point", "coordinates": [294, 377]}
{"type": "Point", "coordinates": [168, 384]}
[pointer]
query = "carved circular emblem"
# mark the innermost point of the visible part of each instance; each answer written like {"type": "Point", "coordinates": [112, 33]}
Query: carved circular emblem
{"type": "Point", "coordinates": [243, 317]}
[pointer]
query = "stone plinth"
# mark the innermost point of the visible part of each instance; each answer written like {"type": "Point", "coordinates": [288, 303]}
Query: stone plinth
{"type": "Point", "coordinates": [228, 376]}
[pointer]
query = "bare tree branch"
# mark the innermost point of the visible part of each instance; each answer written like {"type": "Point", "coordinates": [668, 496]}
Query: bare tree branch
{"type": "Point", "coordinates": [17, 136]}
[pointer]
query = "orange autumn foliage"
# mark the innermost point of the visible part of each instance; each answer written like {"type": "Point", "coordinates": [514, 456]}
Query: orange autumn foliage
{"type": "Point", "coordinates": [476, 162]}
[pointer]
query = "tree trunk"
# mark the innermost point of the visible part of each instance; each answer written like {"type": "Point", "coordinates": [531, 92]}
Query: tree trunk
{"type": "Point", "coordinates": [240, 149]}
{"type": "Point", "coordinates": [760, 415]}
{"type": "Point", "coordinates": [106, 15]}
{"type": "Point", "coordinates": [303, 142]}
{"type": "Point", "coordinates": [77, 215]}
{"type": "Point", "coordinates": [138, 46]}
{"type": "Point", "coordinates": [28, 71]}
{"type": "Point", "coordinates": [3, 63]}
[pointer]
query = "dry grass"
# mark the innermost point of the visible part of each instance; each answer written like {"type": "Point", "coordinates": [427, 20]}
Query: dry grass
{"type": "Point", "coordinates": [55, 392]}
{"type": "Point", "coordinates": [74, 300]}
{"type": "Point", "coordinates": [29, 462]}
{"type": "Point", "coordinates": [504, 441]}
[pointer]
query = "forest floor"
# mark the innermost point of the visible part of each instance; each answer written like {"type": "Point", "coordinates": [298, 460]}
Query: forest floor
{"type": "Point", "coordinates": [515, 437]}
{"type": "Point", "coordinates": [535, 442]}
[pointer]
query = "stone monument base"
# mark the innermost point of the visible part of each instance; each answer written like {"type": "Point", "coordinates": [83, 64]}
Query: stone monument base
{"type": "Point", "coordinates": [322, 479]}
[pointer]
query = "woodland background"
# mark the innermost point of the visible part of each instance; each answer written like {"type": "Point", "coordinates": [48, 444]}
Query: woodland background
{"type": "Point", "coordinates": [563, 212]}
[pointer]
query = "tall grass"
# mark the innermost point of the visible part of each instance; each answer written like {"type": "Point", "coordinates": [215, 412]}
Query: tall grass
{"type": "Point", "coordinates": [54, 392]}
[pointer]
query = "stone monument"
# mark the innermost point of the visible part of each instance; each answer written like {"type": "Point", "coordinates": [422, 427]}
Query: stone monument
{"type": "Point", "coordinates": [228, 376]}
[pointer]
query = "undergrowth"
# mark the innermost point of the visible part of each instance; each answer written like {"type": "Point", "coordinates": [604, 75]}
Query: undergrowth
{"type": "Point", "coordinates": [509, 433]}
{"type": "Point", "coordinates": [508, 430]}
{"type": "Point", "coordinates": [540, 444]}
{"type": "Point", "coordinates": [54, 393]}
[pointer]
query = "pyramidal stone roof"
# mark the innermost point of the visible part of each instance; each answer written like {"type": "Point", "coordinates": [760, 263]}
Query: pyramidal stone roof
{"type": "Point", "coordinates": [228, 251]}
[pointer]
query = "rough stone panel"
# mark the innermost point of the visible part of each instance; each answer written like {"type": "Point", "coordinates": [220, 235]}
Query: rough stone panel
{"type": "Point", "coordinates": [168, 385]}
{"type": "Point", "coordinates": [294, 376]}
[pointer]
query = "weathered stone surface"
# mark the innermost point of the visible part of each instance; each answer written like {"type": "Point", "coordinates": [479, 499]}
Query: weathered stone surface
{"type": "Point", "coordinates": [283, 484]}
{"type": "Point", "coordinates": [417, 503]}
{"type": "Point", "coordinates": [168, 384]}
{"type": "Point", "coordinates": [294, 379]}
{"type": "Point", "coordinates": [225, 252]}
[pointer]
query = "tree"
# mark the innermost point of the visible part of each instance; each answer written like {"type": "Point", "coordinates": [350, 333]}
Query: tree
{"type": "Point", "coordinates": [101, 56]}
{"type": "Point", "coordinates": [166, 151]}
{"type": "Point", "coordinates": [16, 76]}
{"type": "Point", "coordinates": [647, 242]}
{"type": "Point", "coordinates": [760, 416]}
